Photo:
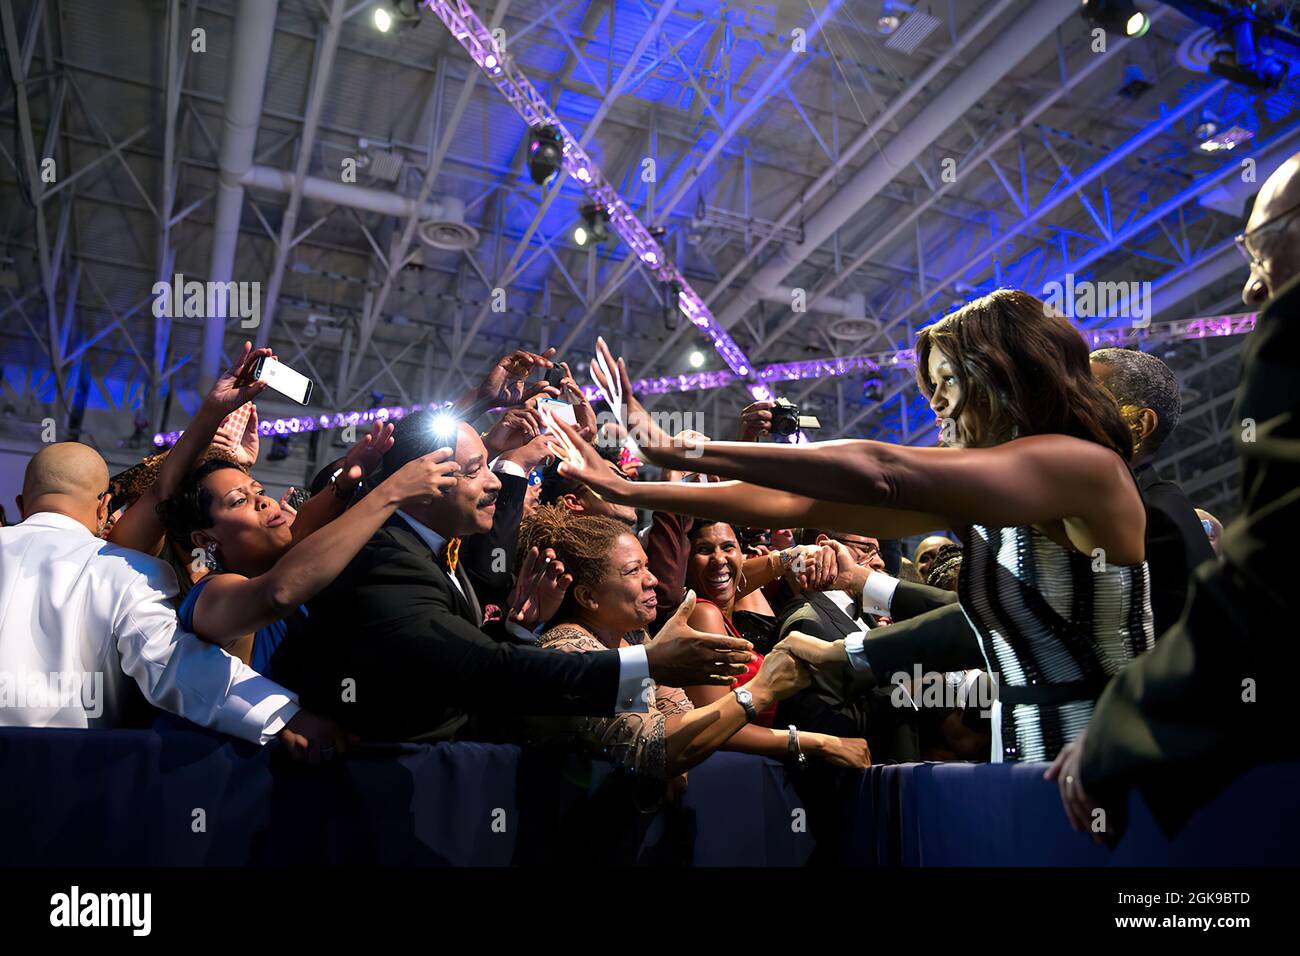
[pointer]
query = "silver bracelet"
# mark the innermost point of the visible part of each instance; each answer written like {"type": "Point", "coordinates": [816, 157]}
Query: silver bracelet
{"type": "Point", "coordinates": [796, 752]}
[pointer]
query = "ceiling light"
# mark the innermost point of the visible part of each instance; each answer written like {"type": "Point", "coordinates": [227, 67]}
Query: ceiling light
{"type": "Point", "coordinates": [545, 153]}
{"type": "Point", "coordinates": [383, 20]}
{"type": "Point", "coordinates": [697, 359]}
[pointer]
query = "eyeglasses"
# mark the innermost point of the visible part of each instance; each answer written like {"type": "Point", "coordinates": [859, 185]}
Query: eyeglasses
{"type": "Point", "coordinates": [1251, 244]}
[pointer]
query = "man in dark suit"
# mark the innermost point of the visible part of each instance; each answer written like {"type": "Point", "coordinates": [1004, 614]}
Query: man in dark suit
{"type": "Point", "coordinates": [397, 649]}
{"type": "Point", "coordinates": [1211, 698]}
{"type": "Point", "coordinates": [860, 702]}
{"type": "Point", "coordinates": [1148, 397]}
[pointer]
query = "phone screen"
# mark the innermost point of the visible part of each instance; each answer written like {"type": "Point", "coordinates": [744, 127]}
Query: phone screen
{"type": "Point", "coordinates": [561, 410]}
{"type": "Point", "coordinates": [285, 380]}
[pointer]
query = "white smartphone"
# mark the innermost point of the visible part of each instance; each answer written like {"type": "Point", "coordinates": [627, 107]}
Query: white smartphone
{"type": "Point", "coordinates": [284, 379]}
{"type": "Point", "coordinates": [561, 410]}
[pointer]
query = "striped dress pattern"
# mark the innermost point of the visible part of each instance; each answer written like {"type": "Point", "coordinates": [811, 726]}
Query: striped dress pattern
{"type": "Point", "coordinates": [1054, 625]}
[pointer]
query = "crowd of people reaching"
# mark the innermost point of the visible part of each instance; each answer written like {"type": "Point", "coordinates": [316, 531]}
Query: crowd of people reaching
{"type": "Point", "coordinates": [528, 583]}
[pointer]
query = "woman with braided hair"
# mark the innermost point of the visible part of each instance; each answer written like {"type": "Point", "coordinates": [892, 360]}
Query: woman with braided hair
{"type": "Point", "coordinates": [608, 605]}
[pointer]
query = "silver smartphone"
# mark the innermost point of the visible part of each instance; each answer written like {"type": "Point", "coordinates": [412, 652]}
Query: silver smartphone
{"type": "Point", "coordinates": [284, 379]}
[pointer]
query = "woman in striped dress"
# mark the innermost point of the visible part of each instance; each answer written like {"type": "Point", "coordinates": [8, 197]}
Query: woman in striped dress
{"type": "Point", "coordinates": [1032, 472]}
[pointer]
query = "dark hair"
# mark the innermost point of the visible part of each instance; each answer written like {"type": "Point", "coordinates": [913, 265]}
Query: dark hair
{"type": "Point", "coordinates": [701, 523]}
{"type": "Point", "coordinates": [189, 509]}
{"type": "Point", "coordinates": [1025, 370]}
{"type": "Point", "coordinates": [1142, 380]}
{"type": "Point", "coordinates": [555, 485]}
{"type": "Point", "coordinates": [581, 542]}
{"type": "Point", "coordinates": [414, 437]}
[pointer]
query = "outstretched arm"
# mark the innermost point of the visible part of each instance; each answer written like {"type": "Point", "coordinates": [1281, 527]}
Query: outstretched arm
{"type": "Point", "coordinates": [140, 527]}
{"type": "Point", "coordinates": [1032, 480]}
{"type": "Point", "coordinates": [233, 605]}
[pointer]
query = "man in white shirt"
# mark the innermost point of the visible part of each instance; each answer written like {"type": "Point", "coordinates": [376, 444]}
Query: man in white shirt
{"type": "Point", "coordinates": [78, 616]}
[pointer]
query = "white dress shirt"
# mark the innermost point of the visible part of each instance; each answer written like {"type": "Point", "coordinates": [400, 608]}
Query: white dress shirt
{"type": "Point", "coordinates": [633, 665]}
{"type": "Point", "coordinates": [877, 598]}
{"type": "Point", "coordinates": [78, 616]}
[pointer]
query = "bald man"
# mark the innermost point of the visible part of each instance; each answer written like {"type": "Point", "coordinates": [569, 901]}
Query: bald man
{"type": "Point", "coordinates": [925, 552]}
{"type": "Point", "coordinates": [1213, 697]}
{"type": "Point", "coordinates": [81, 615]}
{"type": "Point", "coordinates": [1271, 241]}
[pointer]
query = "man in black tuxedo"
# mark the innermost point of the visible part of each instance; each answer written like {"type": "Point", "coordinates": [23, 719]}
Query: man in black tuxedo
{"type": "Point", "coordinates": [1148, 397]}
{"type": "Point", "coordinates": [1212, 698]}
{"type": "Point", "coordinates": [397, 647]}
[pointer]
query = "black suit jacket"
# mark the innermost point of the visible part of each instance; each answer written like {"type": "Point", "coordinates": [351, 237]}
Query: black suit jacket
{"type": "Point", "coordinates": [834, 702]}
{"type": "Point", "coordinates": [929, 629]}
{"type": "Point", "coordinates": [1213, 696]}
{"type": "Point", "coordinates": [395, 625]}
{"type": "Point", "coordinates": [1175, 544]}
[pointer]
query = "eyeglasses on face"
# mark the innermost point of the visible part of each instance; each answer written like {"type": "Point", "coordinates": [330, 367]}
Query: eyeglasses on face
{"type": "Point", "coordinates": [1253, 244]}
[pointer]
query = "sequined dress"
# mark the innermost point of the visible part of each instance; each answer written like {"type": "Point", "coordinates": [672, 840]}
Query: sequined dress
{"type": "Point", "coordinates": [1054, 625]}
{"type": "Point", "coordinates": [633, 741]}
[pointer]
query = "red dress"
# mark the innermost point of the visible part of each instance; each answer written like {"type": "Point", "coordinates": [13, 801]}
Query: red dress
{"type": "Point", "coordinates": [767, 717]}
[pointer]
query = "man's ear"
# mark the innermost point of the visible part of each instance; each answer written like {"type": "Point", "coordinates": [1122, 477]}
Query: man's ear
{"type": "Point", "coordinates": [1147, 423]}
{"type": "Point", "coordinates": [572, 502]}
{"type": "Point", "coordinates": [22, 511]}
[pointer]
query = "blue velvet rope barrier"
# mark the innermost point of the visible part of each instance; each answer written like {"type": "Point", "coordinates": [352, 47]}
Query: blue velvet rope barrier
{"type": "Point", "coordinates": [1007, 815]}
{"type": "Point", "coordinates": [192, 798]}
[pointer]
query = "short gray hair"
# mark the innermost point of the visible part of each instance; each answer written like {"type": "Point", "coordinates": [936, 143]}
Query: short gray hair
{"type": "Point", "coordinates": [1141, 379]}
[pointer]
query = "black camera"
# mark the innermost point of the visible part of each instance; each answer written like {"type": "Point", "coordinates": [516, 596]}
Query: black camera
{"type": "Point", "coordinates": [786, 419]}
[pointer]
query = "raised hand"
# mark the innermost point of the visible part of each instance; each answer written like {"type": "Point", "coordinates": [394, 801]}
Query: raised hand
{"type": "Point", "coordinates": [616, 385]}
{"type": "Point", "coordinates": [581, 461]}
{"type": "Point", "coordinates": [506, 383]}
{"type": "Point", "coordinates": [680, 656]}
{"type": "Point", "coordinates": [539, 589]}
{"type": "Point", "coordinates": [755, 421]}
{"type": "Point", "coordinates": [236, 385]}
{"type": "Point", "coordinates": [516, 428]}
{"type": "Point", "coordinates": [582, 410]}
{"type": "Point", "coordinates": [238, 436]}
{"type": "Point", "coordinates": [418, 482]}
{"type": "Point", "coordinates": [367, 453]}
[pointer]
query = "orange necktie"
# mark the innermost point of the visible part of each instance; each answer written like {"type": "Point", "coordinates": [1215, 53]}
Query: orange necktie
{"type": "Point", "coordinates": [451, 556]}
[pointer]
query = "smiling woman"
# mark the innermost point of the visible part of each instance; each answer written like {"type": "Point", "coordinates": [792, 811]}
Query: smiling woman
{"type": "Point", "coordinates": [256, 572]}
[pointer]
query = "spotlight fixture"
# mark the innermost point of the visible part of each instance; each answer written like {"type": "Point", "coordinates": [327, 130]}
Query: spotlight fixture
{"type": "Point", "coordinates": [697, 359]}
{"type": "Point", "coordinates": [886, 24]}
{"type": "Point", "coordinates": [545, 153]}
{"type": "Point", "coordinates": [403, 14]}
{"type": "Point", "coordinates": [593, 227]}
{"type": "Point", "coordinates": [1116, 16]}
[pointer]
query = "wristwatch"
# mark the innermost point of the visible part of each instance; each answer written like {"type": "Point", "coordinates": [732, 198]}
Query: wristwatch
{"type": "Point", "coordinates": [747, 701]}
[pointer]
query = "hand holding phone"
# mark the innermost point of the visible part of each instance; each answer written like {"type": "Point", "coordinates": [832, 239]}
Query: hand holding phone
{"type": "Point", "coordinates": [284, 380]}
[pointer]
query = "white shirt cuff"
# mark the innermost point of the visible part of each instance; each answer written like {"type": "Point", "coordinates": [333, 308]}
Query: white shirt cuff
{"type": "Point", "coordinates": [635, 688]}
{"type": "Point", "coordinates": [878, 593]}
{"type": "Point", "coordinates": [522, 633]}
{"type": "Point", "coordinates": [504, 467]}
{"type": "Point", "coordinates": [853, 647]}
